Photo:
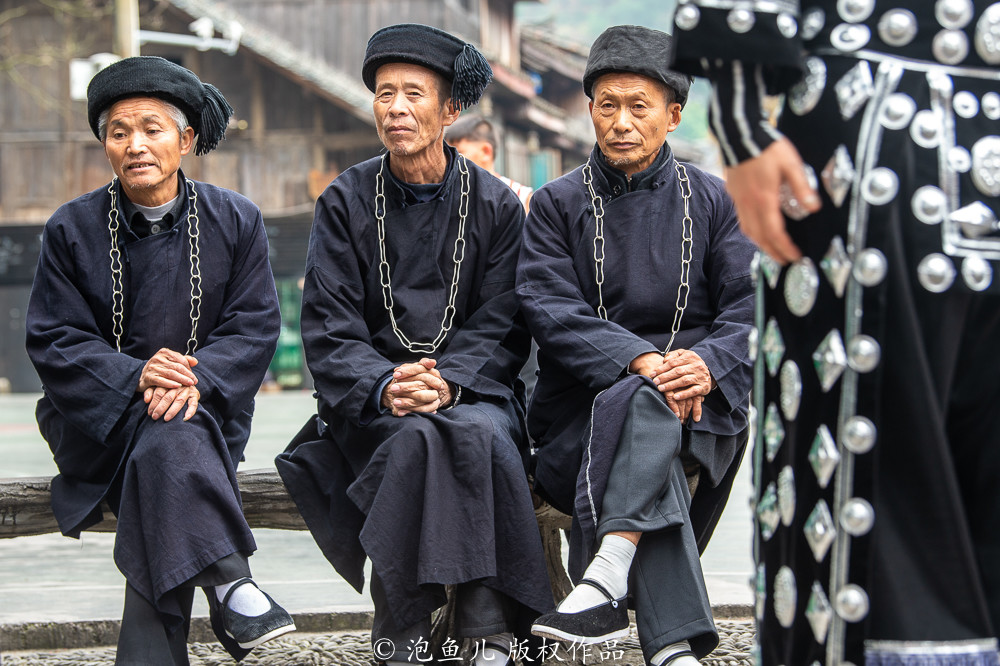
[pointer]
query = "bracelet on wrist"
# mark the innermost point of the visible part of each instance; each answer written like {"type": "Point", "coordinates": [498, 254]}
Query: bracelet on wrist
{"type": "Point", "coordinates": [456, 395]}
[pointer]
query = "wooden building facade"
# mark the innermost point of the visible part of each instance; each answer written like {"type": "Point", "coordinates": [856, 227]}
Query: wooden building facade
{"type": "Point", "coordinates": [302, 115]}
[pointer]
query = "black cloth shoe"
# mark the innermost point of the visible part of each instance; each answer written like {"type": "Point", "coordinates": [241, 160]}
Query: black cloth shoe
{"type": "Point", "coordinates": [606, 622]}
{"type": "Point", "coordinates": [219, 629]}
{"type": "Point", "coordinates": [249, 631]}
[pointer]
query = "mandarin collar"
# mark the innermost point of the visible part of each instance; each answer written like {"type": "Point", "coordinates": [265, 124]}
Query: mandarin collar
{"type": "Point", "coordinates": [138, 224]}
{"type": "Point", "coordinates": [405, 194]}
{"type": "Point", "coordinates": [618, 183]}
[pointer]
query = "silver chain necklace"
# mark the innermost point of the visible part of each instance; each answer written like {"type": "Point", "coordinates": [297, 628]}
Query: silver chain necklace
{"type": "Point", "coordinates": [457, 256]}
{"type": "Point", "coordinates": [117, 291]}
{"type": "Point", "coordinates": [687, 246]}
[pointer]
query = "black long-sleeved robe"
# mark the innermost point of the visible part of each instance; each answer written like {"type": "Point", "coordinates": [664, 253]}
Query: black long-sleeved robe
{"type": "Point", "coordinates": [878, 515]}
{"type": "Point", "coordinates": [104, 443]}
{"type": "Point", "coordinates": [581, 354]}
{"type": "Point", "coordinates": [431, 499]}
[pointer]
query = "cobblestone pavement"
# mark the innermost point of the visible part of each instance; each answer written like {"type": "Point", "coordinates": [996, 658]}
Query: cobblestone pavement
{"type": "Point", "coordinates": [354, 649]}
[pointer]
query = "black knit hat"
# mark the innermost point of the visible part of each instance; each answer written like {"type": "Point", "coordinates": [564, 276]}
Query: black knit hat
{"type": "Point", "coordinates": [151, 76]}
{"type": "Point", "coordinates": [636, 49]}
{"type": "Point", "coordinates": [458, 62]}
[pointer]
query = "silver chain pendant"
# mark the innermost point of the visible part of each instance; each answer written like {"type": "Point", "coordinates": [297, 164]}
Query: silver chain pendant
{"type": "Point", "coordinates": [457, 256]}
{"type": "Point", "coordinates": [687, 247]}
{"type": "Point", "coordinates": [117, 291]}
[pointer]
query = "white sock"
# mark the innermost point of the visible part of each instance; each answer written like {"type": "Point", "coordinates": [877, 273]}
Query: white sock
{"type": "Point", "coordinates": [246, 600]}
{"type": "Point", "coordinates": [609, 568]}
{"type": "Point", "coordinates": [488, 656]}
{"type": "Point", "coordinates": [687, 660]}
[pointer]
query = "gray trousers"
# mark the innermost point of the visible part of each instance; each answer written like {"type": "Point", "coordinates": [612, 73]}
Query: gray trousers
{"type": "Point", "coordinates": [144, 640]}
{"type": "Point", "coordinates": [648, 492]}
{"type": "Point", "coordinates": [479, 611]}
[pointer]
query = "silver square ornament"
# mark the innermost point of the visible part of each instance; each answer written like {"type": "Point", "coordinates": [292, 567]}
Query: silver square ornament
{"type": "Point", "coordinates": [854, 89]}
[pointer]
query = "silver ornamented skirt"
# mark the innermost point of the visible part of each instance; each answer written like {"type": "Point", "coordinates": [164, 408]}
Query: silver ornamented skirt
{"type": "Point", "coordinates": [877, 446]}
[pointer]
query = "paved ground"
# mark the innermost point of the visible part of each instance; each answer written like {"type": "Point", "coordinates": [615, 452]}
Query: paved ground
{"type": "Point", "coordinates": [353, 649]}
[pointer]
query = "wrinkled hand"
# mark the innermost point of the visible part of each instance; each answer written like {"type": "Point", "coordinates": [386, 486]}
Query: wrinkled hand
{"type": "Point", "coordinates": [169, 370]}
{"type": "Point", "coordinates": [684, 409]}
{"type": "Point", "coordinates": [754, 186]}
{"type": "Point", "coordinates": [416, 387]}
{"type": "Point", "coordinates": [646, 364]}
{"type": "Point", "coordinates": [684, 380]}
{"type": "Point", "coordinates": [168, 403]}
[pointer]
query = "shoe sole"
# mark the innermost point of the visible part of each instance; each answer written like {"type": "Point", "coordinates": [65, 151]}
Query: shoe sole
{"type": "Point", "coordinates": [280, 631]}
{"type": "Point", "coordinates": [556, 634]}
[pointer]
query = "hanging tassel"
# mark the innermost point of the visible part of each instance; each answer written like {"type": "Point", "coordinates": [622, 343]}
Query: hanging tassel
{"type": "Point", "coordinates": [215, 114]}
{"type": "Point", "coordinates": [472, 74]}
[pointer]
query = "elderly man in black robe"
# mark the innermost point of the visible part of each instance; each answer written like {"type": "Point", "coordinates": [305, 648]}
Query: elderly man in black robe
{"type": "Point", "coordinates": [412, 334]}
{"type": "Point", "coordinates": [635, 281]}
{"type": "Point", "coordinates": [151, 322]}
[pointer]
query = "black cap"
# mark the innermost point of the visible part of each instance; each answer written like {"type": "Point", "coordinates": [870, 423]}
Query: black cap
{"type": "Point", "coordinates": [458, 62]}
{"type": "Point", "coordinates": [151, 76]}
{"type": "Point", "coordinates": [635, 49]}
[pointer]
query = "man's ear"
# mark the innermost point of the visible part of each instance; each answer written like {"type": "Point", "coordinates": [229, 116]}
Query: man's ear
{"type": "Point", "coordinates": [673, 116]}
{"type": "Point", "coordinates": [187, 140]}
{"type": "Point", "coordinates": [451, 113]}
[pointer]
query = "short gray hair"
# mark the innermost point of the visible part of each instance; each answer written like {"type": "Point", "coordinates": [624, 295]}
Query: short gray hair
{"type": "Point", "coordinates": [178, 116]}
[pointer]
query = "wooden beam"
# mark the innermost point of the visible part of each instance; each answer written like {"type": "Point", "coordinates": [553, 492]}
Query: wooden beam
{"type": "Point", "coordinates": [25, 508]}
{"type": "Point", "coordinates": [127, 28]}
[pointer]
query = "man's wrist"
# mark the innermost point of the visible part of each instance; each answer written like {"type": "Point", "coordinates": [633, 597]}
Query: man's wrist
{"type": "Point", "coordinates": [456, 395]}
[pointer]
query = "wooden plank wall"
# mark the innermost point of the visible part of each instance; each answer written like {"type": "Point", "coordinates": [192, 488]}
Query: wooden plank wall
{"type": "Point", "coordinates": [281, 136]}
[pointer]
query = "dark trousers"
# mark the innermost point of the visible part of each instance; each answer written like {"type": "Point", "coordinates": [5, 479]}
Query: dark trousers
{"type": "Point", "coordinates": [479, 611]}
{"type": "Point", "coordinates": [144, 638]}
{"type": "Point", "coordinates": [647, 492]}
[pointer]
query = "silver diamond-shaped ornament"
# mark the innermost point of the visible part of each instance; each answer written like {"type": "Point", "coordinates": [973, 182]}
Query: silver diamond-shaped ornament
{"type": "Point", "coordinates": [771, 269]}
{"type": "Point", "coordinates": [773, 346]}
{"type": "Point", "coordinates": [820, 530]}
{"type": "Point", "coordinates": [760, 591]}
{"type": "Point", "coordinates": [838, 174]}
{"type": "Point", "coordinates": [819, 612]}
{"type": "Point", "coordinates": [768, 516]}
{"type": "Point", "coordinates": [786, 495]}
{"type": "Point", "coordinates": [774, 432]}
{"type": "Point", "coordinates": [836, 265]}
{"type": "Point", "coordinates": [829, 359]}
{"type": "Point", "coordinates": [823, 455]}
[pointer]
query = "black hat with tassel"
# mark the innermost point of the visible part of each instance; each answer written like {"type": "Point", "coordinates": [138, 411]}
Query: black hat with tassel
{"type": "Point", "coordinates": [206, 109]}
{"type": "Point", "coordinates": [460, 63]}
